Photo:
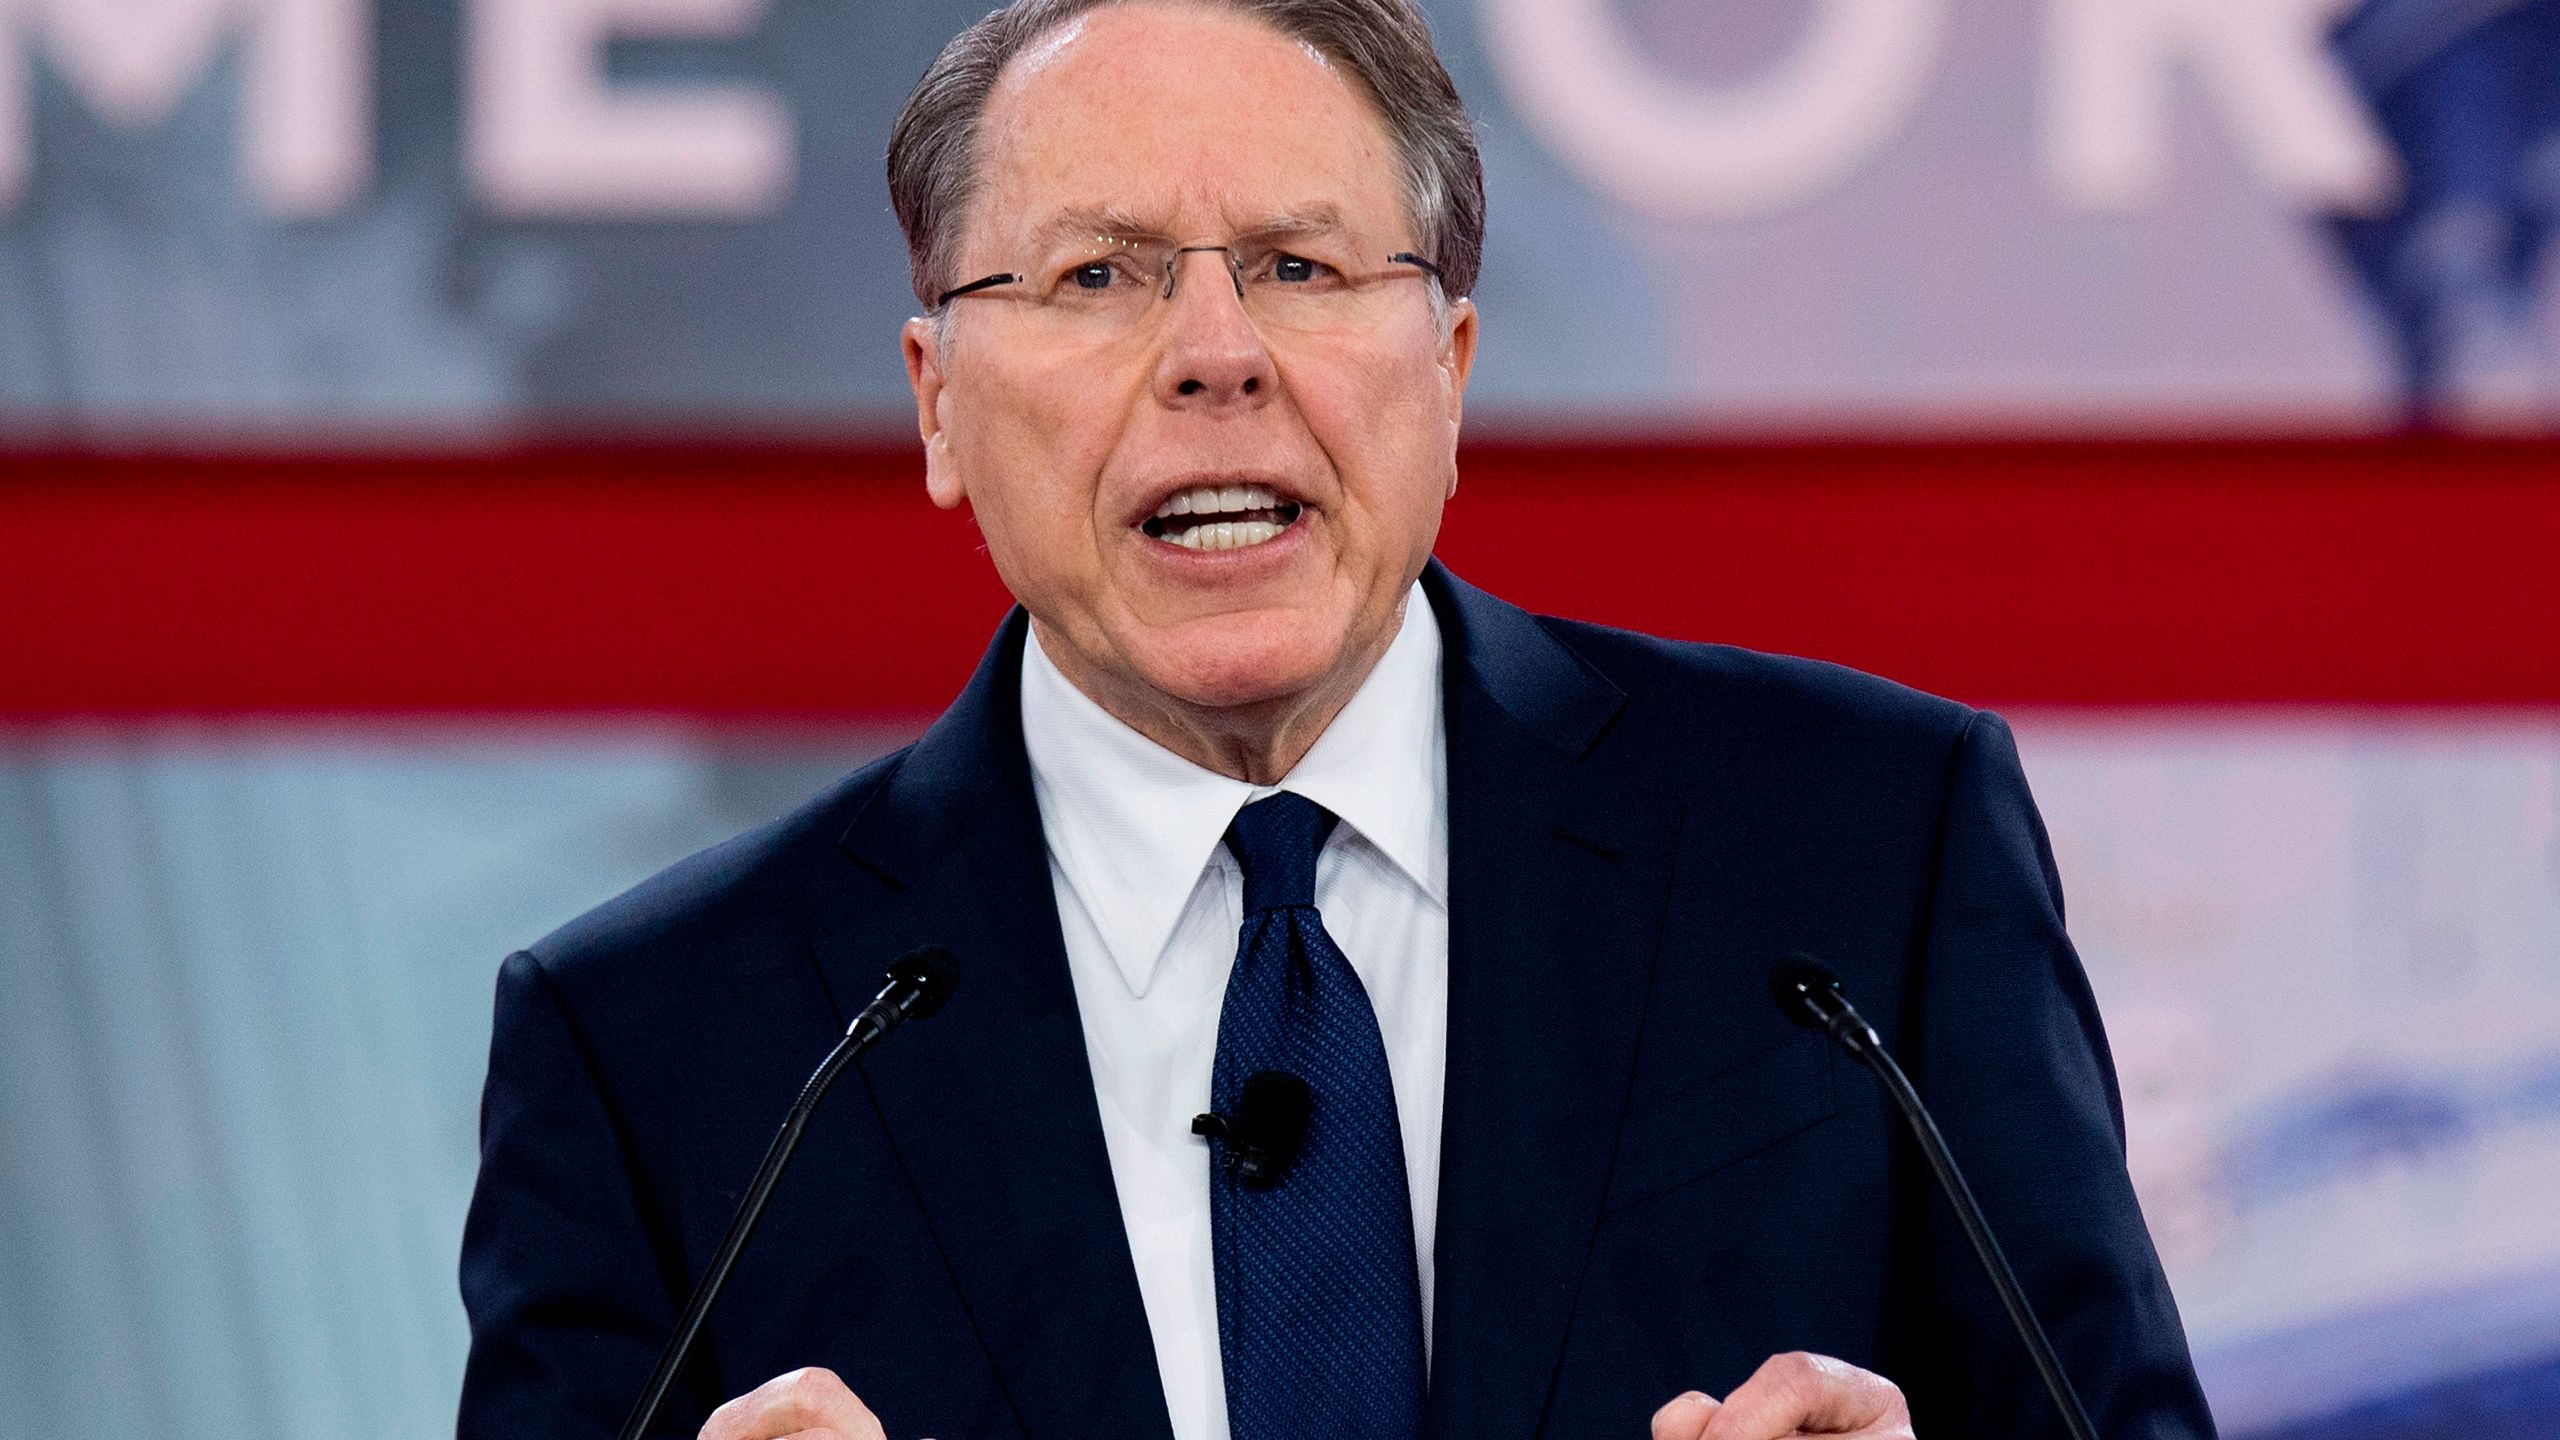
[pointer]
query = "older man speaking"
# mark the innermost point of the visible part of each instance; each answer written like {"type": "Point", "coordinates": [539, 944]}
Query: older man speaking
{"type": "Point", "coordinates": [1249, 784]}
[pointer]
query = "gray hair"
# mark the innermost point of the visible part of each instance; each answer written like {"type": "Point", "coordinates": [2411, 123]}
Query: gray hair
{"type": "Point", "coordinates": [1386, 44]}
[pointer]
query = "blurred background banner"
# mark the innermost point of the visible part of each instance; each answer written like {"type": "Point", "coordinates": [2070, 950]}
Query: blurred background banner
{"type": "Point", "coordinates": [454, 216]}
{"type": "Point", "coordinates": [437, 435]}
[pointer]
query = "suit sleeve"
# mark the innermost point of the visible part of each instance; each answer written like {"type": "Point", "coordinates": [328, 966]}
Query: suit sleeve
{"type": "Point", "coordinates": [567, 1304]}
{"type": "Point", "coordinates": [2002, 1037]}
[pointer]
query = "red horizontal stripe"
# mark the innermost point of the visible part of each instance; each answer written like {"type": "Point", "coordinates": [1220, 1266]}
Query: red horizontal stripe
{"type": "Point", "coordinates": [746, 582]}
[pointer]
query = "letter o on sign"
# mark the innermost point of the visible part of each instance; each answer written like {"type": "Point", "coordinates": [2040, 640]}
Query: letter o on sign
{"type": "Point", "coordinates": [1677, 149]}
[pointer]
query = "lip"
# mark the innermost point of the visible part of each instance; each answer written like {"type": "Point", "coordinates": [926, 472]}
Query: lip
{"type": "Point", "coordinates": [1156, 495]}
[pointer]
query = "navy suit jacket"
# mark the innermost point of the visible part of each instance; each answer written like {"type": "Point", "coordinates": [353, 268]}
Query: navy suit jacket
{"type": "Point", "coordinates": [1650, 1181]}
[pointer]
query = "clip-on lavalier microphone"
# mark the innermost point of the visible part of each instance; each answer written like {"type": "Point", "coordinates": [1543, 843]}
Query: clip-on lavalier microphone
{"type": "Point", "coordinates": [1264, 1135]}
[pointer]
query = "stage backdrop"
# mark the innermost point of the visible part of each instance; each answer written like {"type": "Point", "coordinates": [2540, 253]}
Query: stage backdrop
{"type": "Point", "coordinates": [448, 215]}
{"type": "Point", "coordinates": [452, 463]}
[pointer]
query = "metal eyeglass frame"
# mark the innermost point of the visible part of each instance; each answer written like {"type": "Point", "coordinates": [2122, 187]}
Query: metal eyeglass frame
{"type": "Point", "coordinates": [1235, 272]}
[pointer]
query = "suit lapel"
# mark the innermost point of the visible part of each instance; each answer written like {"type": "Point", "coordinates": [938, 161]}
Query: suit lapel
{"type": "Point", "coordinates": [991, 1109]}
{"type": "Point", "coordinates": [1559, 881]}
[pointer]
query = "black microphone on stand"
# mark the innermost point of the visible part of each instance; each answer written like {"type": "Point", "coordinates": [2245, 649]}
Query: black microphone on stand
{"type": "Point", "coordinates": [915, 987]}
{"type": "Point", "coordinates": [1810, 996]}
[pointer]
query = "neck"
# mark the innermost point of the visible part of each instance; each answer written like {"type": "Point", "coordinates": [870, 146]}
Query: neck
{"type": "Point", "coordinates": [1258, 743]}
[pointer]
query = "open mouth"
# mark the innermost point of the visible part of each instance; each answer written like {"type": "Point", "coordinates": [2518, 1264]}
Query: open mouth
{"type": "Point", "coordinates": [1222, 517]}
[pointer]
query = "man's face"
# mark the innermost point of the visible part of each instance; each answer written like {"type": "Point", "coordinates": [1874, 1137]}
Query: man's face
{"type": "Point", "coordinates": [1201, 128]}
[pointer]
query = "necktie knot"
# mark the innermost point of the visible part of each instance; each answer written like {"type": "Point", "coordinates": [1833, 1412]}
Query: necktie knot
{"type": "Point", "coordinates": [1275, 841]}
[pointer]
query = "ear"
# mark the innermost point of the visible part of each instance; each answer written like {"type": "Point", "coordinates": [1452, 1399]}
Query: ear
{"type": "Point", "coordinates": [921, 339]}
{"type": "Point", "coordinates": [1457, 358]}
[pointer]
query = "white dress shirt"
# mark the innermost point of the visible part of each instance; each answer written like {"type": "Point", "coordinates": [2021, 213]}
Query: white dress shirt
{"type": "Point", "coordinates": [1152, 905]}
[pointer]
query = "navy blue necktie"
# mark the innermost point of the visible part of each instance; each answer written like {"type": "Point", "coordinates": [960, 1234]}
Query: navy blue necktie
{"type": "Point", "coordinates": [1319, 1305]}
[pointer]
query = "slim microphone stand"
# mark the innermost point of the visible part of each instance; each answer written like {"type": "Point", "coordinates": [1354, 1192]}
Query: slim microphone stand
{"type": "Point", "coordinates": [912, 994]}
{"type": "Point", "coordinates": [1811, 997]}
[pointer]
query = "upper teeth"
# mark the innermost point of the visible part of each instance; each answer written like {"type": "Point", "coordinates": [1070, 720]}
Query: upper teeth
{"type": "Point", "coordinates": [1219, 500]}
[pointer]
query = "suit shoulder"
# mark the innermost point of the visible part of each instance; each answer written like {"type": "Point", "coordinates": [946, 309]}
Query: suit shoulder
{"type": "Point", "coordinates": [1783, 694]}
{"type": "Point", "coordinates": [720, 900]}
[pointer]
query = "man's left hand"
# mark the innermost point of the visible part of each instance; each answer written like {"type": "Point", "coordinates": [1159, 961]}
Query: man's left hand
{"type": "Point", "coordinates": [1792, 1395]}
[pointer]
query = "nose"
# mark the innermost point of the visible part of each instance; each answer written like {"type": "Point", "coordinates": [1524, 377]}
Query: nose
{"type": "Point", "coordinates": [1212, 357]}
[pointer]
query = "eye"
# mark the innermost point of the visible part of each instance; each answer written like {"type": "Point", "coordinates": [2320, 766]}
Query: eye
{"type": "Point", "coordinates": [1298, 269]}
{"type": "Point", "coordinates": [1094, 278]}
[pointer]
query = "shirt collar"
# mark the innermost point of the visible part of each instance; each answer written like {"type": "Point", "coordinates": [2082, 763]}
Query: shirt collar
{"type": "Point", "coordinates": [1131, 824]}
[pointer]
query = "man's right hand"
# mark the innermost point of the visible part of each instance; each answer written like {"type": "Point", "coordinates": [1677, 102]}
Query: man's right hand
{"type": "Point", "coordinates": [807, 1404]}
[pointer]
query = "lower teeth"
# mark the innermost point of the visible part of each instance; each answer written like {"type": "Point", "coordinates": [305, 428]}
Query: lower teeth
{"type": "Point", "coordinates": [1224, 534]}
{"type": "Point", "coordinates": [1255, 528]}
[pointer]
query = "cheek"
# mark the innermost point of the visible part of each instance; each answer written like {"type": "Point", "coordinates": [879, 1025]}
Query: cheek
{"type": "Point", "coordinates": [1031, 444]}
{"type": "Point", "coordinates": [1383, 422]}
{"type": "Point", "coordinates": [1012, 412]}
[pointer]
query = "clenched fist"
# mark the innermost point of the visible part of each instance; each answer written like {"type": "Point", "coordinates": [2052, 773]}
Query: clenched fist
{"type": "Point", "coordinates": [810, 1404]}
{"type": "Point", "coordinates": [1792, 1395]}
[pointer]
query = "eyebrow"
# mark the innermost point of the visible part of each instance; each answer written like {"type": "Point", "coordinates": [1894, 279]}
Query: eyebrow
{"type": "Point", "coordinates": [1322, 218]}
{"type": "Point", "coordinates": [1089, 222]}
{"type": "Point", "coordinates": [1085, 222]}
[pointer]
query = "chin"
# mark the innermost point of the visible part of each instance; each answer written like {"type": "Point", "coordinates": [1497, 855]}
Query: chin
{"type": "Point", "coordinates": [1245, 666]}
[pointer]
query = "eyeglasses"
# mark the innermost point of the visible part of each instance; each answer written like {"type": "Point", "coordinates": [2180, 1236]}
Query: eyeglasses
{"type": "Point", "coordinates": [1111, 287]}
